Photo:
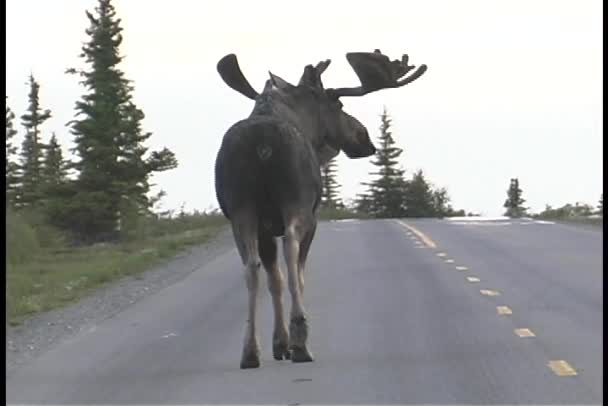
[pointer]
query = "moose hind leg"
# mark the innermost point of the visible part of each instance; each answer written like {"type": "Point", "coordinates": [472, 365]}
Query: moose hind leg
{"type": "Point", "coordinates": [268, 254]}
{"type": "Point", "coordinates": [298, 325]}
{"type": "Point", "coordinates": [245, 235]}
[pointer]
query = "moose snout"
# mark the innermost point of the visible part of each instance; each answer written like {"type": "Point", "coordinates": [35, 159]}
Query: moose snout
{"type": "Point", "coordinates": [367, 147]}
{"type": "Point", "coordinates": [362, 147]}
{"type": "Point", "coordinates": [372, 149]}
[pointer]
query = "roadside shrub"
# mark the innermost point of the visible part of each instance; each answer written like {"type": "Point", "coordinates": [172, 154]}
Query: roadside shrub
{"type": "Point", "coordinates": [21, 239]}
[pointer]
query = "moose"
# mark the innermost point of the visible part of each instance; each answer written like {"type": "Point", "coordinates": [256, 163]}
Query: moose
{"type": "Point", "coordinates": [268, 180]}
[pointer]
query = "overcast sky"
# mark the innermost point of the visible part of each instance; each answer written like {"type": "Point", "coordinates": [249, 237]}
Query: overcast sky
{"type": "Point", "coordinates": [513, 88]}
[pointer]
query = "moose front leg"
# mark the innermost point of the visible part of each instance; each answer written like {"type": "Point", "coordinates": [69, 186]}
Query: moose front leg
{"type": "Point", "coordinates": [298, 325]}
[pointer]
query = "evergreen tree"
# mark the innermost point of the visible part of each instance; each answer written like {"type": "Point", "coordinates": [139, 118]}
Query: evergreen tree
{"type": "Point", "coordinates": [135, 169]}
{"type": "Point", "coordinates": [56, 188]}
{"type": "Point", "coordinates": [582, 210]}
{"type": "Point", "coordinates": [419, 197]}
{"type": "Point", "coordinates": [54, 167]}
{"type": "Point", "coordinates": [363, 202]}
{"type": "Point", "coordinates": [441, 203]}
{"type": "Point", "coordinates": [514, 201]}
{"type": "Point", "coordinates": [113, 182]}
{"type": "Point", "coordinates": [12, 167]}
{"type": "Point", "coordinates": [384, 196]}
{"type": "Point", "coordinates": [330, 186]}
{"type": "Point", "coordinates": [32, 149]}
{"type": "Point", "coordinates": [600, 206]}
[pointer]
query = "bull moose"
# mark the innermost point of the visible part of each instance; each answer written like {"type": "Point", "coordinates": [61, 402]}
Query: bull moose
{"type": "Point", "coordinates": [268, 181]}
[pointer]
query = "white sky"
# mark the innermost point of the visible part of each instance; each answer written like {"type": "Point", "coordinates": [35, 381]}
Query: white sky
{"type": "Point", "coordinates": [513, 87]}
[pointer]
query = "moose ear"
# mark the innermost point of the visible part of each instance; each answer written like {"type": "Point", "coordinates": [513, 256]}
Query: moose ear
{"type": "Point", "coordinates": [229, 70]}
{"type": "Point", "coordinates": [279, 83]}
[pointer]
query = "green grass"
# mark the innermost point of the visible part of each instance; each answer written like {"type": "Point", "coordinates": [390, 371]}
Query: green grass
{"type": "Point", "coordinates": [43, 277]}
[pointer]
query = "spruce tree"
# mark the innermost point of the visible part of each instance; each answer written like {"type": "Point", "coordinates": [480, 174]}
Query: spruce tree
{"type": "Point", "coordinates": [30, 179]}
{"type": "Point", "coordinates": [135, 169]}
{"type": "Point", "coordinates": [363, 202]}
{"type": "Point", "coordinates": [441, 203]}
{"type": "Point", "coordinates": [330, 186]}
{"type": "Point", "coordinates": [514, 201]}
{"type": "Point", "coordinates": [600, 206]}
{"type": "Point", "coordinates": [54, 167]}
{"type": "Point", "coordinates": [582, 210]}
{"type": "Point", "coordinates": [55, 186]}
{"type": "Point", "coordinates": [384, 196]}
{"type": "Point", "coordinates": [419, 198]}
{"type": "Point", "coordinates": [12, 167]}
{"type": "Point", "coordinates": [113, 170]}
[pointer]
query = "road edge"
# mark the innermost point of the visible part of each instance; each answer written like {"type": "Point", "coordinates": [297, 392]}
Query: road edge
{"type": "Point", "coordinates": [42, 332]}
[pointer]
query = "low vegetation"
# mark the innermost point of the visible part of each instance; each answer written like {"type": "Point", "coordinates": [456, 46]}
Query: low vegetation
{"type": "Point", "coordinates": [574, 213]}
{"type": "Point", "coordinates": [340, 213]}
{"type": "Point", "coordinates": [44, 272]}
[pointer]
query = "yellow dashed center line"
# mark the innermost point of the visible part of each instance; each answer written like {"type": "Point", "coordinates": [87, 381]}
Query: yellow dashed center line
{"type": "Point", "coordinates": [430, 243]}
{"type": "Point", "coordinates": [524, 332]}
{"type": "Point", "coordinates": [504, 310]}
{"type": "Point", "coordinates": [561, 368]}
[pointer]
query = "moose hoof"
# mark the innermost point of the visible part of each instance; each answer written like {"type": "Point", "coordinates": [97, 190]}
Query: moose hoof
{"type": "Point", "coordinates": [301, 355]}
{"type": "Point", "coordinates": [250, 360]}
{"type": "Point", "coordinates": [280, 351]}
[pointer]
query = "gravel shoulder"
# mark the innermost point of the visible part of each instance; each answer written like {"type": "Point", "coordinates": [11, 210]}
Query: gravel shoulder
{"type": "Point", "coordinates": [42, 332]}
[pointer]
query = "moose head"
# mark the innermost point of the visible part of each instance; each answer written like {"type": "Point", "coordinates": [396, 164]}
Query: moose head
{"type": "Point", "coordinates": [316, 111]}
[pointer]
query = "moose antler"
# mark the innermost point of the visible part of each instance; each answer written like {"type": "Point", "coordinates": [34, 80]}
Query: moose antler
{"type": "Point", "coordinates": [229, 70]}
{"type": "Point", "coordinates": [312, 75]}
{"type": "Point", "coordinates": [321, 66]}
{"type": "Point", "coordinates": [376, 72]}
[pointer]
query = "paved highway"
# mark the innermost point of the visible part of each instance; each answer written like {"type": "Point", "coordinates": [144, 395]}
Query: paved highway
{"type": "Point", "coordinates": [421, 311]}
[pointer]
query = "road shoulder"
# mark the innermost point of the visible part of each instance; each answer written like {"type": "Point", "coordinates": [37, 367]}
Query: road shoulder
{"type": "Point", "coordinates": [44, 331]}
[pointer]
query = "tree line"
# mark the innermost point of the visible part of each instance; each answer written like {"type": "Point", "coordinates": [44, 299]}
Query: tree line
{"type": "Point", "coordinates": [102, 194]}
{"type": "Point", "coordinates": [390, 194]}
{"type": "Point", "coordinates": [514, 205]}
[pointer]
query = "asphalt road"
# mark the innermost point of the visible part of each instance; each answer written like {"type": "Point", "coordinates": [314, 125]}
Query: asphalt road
{"type": "Point", "coordinates": [392, 321]}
